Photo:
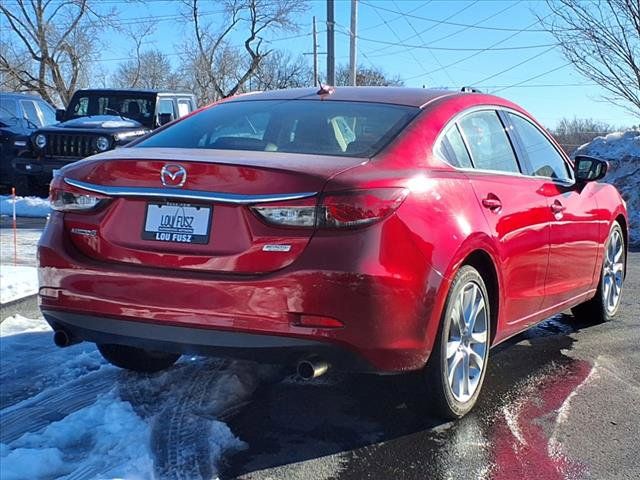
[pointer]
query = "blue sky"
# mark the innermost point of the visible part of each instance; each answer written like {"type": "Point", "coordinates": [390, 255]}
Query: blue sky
{"type": "Point", "coordinates": [561, 92]}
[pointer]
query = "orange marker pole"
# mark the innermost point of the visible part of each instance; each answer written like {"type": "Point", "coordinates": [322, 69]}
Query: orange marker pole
{"type": "Point", "coordinates": [15, 228]}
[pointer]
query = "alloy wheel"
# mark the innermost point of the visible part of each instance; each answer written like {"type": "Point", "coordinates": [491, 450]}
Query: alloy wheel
{"type": "Point", "coordinates": [467, 343]}
{"type": "Point", "coordinates": [613, 271]}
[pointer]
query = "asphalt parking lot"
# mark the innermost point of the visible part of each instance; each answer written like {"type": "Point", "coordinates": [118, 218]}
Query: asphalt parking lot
{"type": "Point", "coordinates": [559, 401]}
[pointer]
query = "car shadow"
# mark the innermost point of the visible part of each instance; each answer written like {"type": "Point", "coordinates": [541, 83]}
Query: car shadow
{"type": "Point", "coordinates": [351, 416]}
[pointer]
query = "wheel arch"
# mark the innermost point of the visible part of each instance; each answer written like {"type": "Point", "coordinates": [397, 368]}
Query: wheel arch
{"type": "Point", "coordinates": [622, 221]}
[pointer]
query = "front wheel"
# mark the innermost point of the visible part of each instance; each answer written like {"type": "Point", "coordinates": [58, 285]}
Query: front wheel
{"type": "Point", "coordinates": [137, 359]}
{"type": "Point", "coordinates": [606, 302]}
{"type": "Point", "coordinates": [458, 363]}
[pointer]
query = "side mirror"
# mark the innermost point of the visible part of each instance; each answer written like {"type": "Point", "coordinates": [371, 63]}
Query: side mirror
{"type": "Point", "coordinates": [164, 118]}
{"type": "Point", "coordinates": [60, 114]}
{"type": "Point", "coordinates": [589, 169]}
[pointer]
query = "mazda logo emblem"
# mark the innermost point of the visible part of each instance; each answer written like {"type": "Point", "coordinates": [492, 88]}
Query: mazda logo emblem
{"type": "Point", "coordinates": [173, 175]}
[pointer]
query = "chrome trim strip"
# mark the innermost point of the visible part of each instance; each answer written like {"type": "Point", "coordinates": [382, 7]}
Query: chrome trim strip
{"type": "Point", "coordinates": [175, 193]}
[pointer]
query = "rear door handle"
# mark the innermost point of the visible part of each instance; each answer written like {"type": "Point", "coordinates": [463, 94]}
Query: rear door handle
{"type": "Point", "coordinates": [492, 202]}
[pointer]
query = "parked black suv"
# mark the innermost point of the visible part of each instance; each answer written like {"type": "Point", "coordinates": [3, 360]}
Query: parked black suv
{"type": "Point", "coordinates": [20, 115]}
{"type": "Point", "coordinates": [97, 120]}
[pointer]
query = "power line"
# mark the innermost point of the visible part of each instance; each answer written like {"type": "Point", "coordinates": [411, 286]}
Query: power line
{"type": "Point", "coordinates": [455, 49]}
{"type": "Point", "coordinates": [532, 78]}
{"type": "Point", "coordinates": [457, 12]}
{"type": "Point", "coordinates": [446, 22]}
{"type": "Point", "coordinates": [513, 66]}
{"type": "Point", "coordinates": [406, 19]}
{"type": "Point", "coordinates": [499, 42]}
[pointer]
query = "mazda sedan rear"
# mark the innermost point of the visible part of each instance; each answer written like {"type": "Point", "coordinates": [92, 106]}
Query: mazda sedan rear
{"type": "Point", "coordinates": [373, 229]}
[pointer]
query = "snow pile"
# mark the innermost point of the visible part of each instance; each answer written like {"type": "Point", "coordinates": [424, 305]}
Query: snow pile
{"type": "Point", "coordinates": [66, 413]}
{"type": "Point", "coordinates": [17, 282]}
{"type": "Point", "coordinates": [622, 150]}
{"type": "Point", "coordinates": [25, 206]}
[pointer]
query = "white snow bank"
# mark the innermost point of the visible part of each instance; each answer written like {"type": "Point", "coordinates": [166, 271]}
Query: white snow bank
{"type": "Point", "coordinates": [66, 413]}
{"type": "Point", "coordinates": [25, 206]}
{"type": "Point", "coordinates": [17, 282]}
{"type": "Point", "coordinates": [16, 324]}
{"type": "Point", "coordinates": [622, 151]}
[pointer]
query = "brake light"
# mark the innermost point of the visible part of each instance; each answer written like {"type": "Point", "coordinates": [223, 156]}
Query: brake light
{"type": "Point", "coordinates": [359, 208]}
{"type": "Point", "coordinates": [65, 198]}
{"type": "Point", "coordinates": [350, 209]}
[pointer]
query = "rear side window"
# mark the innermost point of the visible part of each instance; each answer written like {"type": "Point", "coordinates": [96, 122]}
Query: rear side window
{"type": "Point", "coordinates": [8, 111]}
{"type": "Point", "coordinates": [488, 142]}
{"type": "Point", "coordinates": [544, 159]}
{"type": "Point", "coordinates": [184, 107]}
{"type": "Point", "coordinates": [453, 149]}
{"type": "Point", "coordinates": [356, 129]}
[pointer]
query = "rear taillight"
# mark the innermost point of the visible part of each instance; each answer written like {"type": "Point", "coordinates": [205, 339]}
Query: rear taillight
{"type": "Point", "coordinates": [350, 209]}
{"type": "Point", "coordinates": [65, 198]}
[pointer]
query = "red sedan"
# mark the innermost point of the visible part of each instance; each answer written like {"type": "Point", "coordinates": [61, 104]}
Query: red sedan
{"type": "Point", "coordinates": [366, 228]}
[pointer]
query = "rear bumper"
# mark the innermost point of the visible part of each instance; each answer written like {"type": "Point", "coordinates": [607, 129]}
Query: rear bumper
{"type": "Point", "coordinates": [199, 341]}
{"type": "Point", "coordinates": [388, 316]}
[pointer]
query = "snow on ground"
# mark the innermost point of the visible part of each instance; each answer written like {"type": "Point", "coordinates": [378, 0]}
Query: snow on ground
{"type": "Point", "coordinates": [622, 150]}
{"type": "Point", "coordinates": [66, 413]}
{"type": "Point", "coordinates": [26, 243]}
{"type": "Point", "coordinates": [17, 282]}
{"type": "Point", "coordinates": [25, 206]}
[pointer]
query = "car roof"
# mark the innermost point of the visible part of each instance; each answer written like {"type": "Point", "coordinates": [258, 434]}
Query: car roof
{"type": "Point", "coordinates": [133, 90]}
{"type": "Point", "coordinates": [414, 97]}
{"type": "Point", "coordinates": [21, 95]}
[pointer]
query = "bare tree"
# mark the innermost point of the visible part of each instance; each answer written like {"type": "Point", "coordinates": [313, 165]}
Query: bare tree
{"type": "Point", "coordinates": [572, 133]}
{"type": "Point", "coordinates": [150, 69]}
{"type": "Point", "coordinates": [49, 45]}
{"type": "Point", "coordinates": [371, 76]}
{"type": "Point", "coordinates": [281, 70]}
{"type": "Point", "coordinates": [602, 40]}
{"type": "Point", "coordinates": [219, 69]}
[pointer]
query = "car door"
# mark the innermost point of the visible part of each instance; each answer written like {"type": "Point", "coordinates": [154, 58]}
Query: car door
{"type": "Point", "coordinates": [572, 213]}
{"type": "Point", "coordinates": [516, 213]}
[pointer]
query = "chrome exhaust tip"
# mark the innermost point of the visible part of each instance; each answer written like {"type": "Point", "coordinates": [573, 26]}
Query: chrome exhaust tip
{"type": "Point", "coordinates": [63, 339]}
{"type": "Point", "coordinates": [312, 367]}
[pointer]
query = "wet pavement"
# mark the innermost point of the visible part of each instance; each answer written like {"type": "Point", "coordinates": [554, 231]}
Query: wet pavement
{"type": "Point", "coordinates": [560, 401]}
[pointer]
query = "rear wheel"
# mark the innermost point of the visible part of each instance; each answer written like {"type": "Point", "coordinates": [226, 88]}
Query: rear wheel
{"type": "Point", "coordinates": [137, 359]}
{"type": "Point", "coordinates": [458, 363]}
{"type": "Point", "coordinates": [604, 305]}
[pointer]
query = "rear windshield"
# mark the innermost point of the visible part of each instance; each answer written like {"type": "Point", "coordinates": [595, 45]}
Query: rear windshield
{"type": "Point", "coordinates": [295, 126]}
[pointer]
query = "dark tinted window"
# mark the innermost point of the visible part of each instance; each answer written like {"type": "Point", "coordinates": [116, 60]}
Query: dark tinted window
{"type": "Point", "coordinates": [297, 126]}
{"type": "Point", "coordinates": [488, 142]}
{"type": "Point", "coordinates": [8, 111]}
{"type": "Point", "coordinates": [453, 149]}
{"type": "Point", "coordinates": [48, 113]}
{"type": "Point", "coordinates": [139, 108]}
{"type": "Point", "coordinates": [544, 159]}
{"type": "Point", "coordinates": [31, 113]}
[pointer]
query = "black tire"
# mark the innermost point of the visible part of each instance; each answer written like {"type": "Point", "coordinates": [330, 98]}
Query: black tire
{"type": "Point", "coordinates": [137, 359]}
{"type": "Point", "coordinates": [596, 311]}
{"type": "Point", "coordinates": [439, 392]}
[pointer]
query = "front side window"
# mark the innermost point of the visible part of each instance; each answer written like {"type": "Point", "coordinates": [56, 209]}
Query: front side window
{"type": "Point", "coordinates": [488, 142]}
{"type": "Point", "coordinates": [544, 159]}
{"type": "Point", "coordinates": [31, 113]}
{"type": "Point", "coordinates": [294, 126]}
{"type": "Point", "coordinates": [165, 107]}
{"type": "Point", "coordinates": [48, 113]}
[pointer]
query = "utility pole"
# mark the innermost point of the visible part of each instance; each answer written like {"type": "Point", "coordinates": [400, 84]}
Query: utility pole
{"type": "Point", "coordinates": [315, 53]}
{"type": "Point", "coordinates": [331, 55]}
{"type": "Point", "coordinates": [352, 44]}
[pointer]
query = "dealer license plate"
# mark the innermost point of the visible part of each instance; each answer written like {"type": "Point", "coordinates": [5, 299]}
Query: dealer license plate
{"type": "Point", "coordinates": [177, 223]}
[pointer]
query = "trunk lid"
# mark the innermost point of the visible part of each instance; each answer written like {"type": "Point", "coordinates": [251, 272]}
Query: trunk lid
{"type": "Point", "coordinates": [139, 225]}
